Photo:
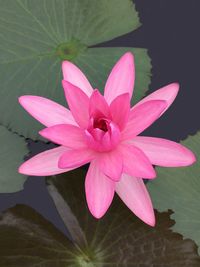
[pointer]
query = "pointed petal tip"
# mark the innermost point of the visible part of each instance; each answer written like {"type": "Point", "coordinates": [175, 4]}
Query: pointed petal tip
{"type": "Point", "coordinates": [194, 159]}
{"type": "Point", "coordinates": [96, 213]}
{"type": "Point", "coordinates": [163, 152]}
{"type": "Point", "coordinates": [148, 216]}
{"type": "Point", "coordinates": [65, 63]}
{"type": "Point", "coordinates": [151, 174]}
{"type": "Point", "coordinates": [151, 221]}
{"type": "Point", "coordinates": [42, 132]}
{"type": "Point", "coordinates": [148, 219]}
{"type": "Point", "coordinates": [176, 84]}
{"type": "Point", "coordinates": [191, 158]}
{"type": "Point", "coordinates": [45, 133]}
{"type": "Point", "coordinates": [69, 70]}
{"type": "Point", "coordinates": [188, 157]}
{"type": "Point", "coordinates": [75, 76]}
{"type": "Point", "coordinates": [95, 93]}
{"type": "Point", "coordinates": [25, 170]}
{"type": "Point", "coordinates": [167, 93]}
{"type": "Point", "coordinates": [23, 100]}
{"type": "Point", "coordinates": [128, 55]}
{"type": "Point", "coordinates": [20, 169]}
{"type": "Point", "coordinates": [45, 110]}
{"type": "Point", "coordinates": [20, 99]}
{"type": "Point", "coordinates": [121, 78]}
{"type": "Point", "coordinates": [174, 87]}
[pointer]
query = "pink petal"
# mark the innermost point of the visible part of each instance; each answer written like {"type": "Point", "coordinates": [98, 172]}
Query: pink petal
{"type": "Point", "coordinates": [45, 163]}
{"type": "Point", "coordinates": [98, 105]}
{"type": "Point", "coordinates": [164, 152]}
{"type": "Point", "coordinates": [94, 139]}
{"type": "Point", "coordinates": [65, 134]}
{"type": "Point", "coordinates": [121, 78]}
{"type": "Point", "coordinates": [134, 194]}
{"type": "Point", "coordinates": [136, 163]}
{"type": "Point", "coordinates": [74, 75]}
{"type": "Point", "coordinates": [75, 158]}
{"type": "Point", "coordinates": [120, 109]}
{"type": "Point", "coordinates": [167, 93]}
{"type": "Point", "coordinates": [111, 164]}
{"type": "Point", "coordinates": [142, 117]}
{"type": "Point", "coordinates": [99, 191]}
{"type": "Point", "coordinates": [111, 138]}
{"type": "Point", "coordinates": [46, 111]}
{"type": "Point", "coordinates": [78, 102]}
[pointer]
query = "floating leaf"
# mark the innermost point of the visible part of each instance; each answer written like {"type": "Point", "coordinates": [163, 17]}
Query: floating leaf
{"type": "Point", "coordinates": [119, 238]}
{"type": "Point", "coordinates": [179, 189]}
{"type": "Point", "coordinates": [35, 36]}
{"type": "Point", "coordinates": [28, 240]}
{"type": "Point", "coordinates": [12, 151]}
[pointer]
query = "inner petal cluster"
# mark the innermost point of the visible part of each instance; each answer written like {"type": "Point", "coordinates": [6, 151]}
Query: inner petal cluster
{"type": "Point", "coordinates": [101, 123]}
{"type": "Point", "coordinates": [102, 134]}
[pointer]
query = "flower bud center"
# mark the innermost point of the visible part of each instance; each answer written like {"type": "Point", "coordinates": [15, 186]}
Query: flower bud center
{"type": "Point", "coordinates": [102, 134]}
{"type": "Point", "coordinates": [102, 124]}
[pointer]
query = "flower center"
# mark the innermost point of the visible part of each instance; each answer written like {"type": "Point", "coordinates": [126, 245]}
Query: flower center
{"type": "Point", "coordinates": [102, 124]}
{"type": "Point", "coordinates": [102, 134]}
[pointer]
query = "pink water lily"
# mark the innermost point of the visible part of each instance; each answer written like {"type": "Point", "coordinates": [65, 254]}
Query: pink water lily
{"type": "Point", "coordinates": [103, 130]}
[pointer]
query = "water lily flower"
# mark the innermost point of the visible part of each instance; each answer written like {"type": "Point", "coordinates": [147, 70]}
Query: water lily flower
{"type": "Point", "coordinates": [103, 131]}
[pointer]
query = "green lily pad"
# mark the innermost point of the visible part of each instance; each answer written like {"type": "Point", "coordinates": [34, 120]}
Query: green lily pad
{"type": "Point", "coordinates": [178, 189]}
{"type": "Point", "coordinates": [35, 36]}
{"type": "Point", "coordinates": [12, 151]}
